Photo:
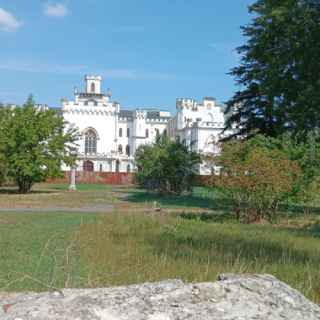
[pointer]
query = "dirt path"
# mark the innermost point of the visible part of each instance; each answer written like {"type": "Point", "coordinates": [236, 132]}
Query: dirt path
{"type": "Point", "coordinates": [86, 209]}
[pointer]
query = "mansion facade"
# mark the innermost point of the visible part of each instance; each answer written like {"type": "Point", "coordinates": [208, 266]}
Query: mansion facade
{"type": "Point", "coordinates": [110, 135]}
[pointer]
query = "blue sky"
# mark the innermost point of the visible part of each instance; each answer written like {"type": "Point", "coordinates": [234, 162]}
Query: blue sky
{"type": "Point", "coordinates": [149, 52]}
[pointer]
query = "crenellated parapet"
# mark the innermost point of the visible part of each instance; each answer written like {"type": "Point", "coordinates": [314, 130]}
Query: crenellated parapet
{"type": "Point", "coordinates": [104, 111]}
{"type": "Point", "coordinates": [140, 114]}
{"type": "Point", "coordinates": [185, 103]}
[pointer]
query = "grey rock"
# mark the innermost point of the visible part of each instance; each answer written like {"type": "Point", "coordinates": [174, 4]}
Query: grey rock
{"type": "Point", "coordinates": [233, 297]}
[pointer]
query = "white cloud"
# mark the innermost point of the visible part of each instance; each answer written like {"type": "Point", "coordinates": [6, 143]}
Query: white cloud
{"type": "Point", "coordinates": [8, 22]}
{"type": "Point", "coordinates": [57, 10]}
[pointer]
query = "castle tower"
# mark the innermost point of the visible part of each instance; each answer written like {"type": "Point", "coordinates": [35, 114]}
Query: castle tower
{"type": "Point", "coordinates": [93, 84]}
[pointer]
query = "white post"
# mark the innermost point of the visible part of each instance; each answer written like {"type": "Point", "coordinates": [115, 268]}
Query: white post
{"type": "Point", "coordinates": [72, 186]}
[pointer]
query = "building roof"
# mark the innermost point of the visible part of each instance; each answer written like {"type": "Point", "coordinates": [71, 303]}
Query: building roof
{"type": "Point", "coordinates": [153, 114]}
{"type": "Point", "coordinates": [126, 114]}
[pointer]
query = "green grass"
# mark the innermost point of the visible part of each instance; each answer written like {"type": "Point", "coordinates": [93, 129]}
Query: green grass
{"type": "Point", "coordinates": [200, 198]}
{"type": "Point", "coordinates": [41, 251]}
{"type": "Point", "coordinates": [71, 250]}
{"type": "Point", "coordinates": [33, 249]}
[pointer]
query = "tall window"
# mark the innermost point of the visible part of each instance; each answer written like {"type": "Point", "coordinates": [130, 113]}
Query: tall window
{"type": "Point", "coordinates": [117, 166]}
{"type": "Point", "coordinates": [93, 87]}
{"type": "Point", "coordinates": [90, 143]}
{"type": "Point", "coordinates": [120, 132]}
{"type": "Point", "coordinates": [157, 133]}
{"type": "Point", "coordinates": [128, 132]}
{"type": "Point", "coordinates": [128, 168]}
{"type": "Point", "coordinates": [147, 133]}
{"type": "Point", "coordinates": [120, 148]}
{"type": "Point", "coordinates": [128, 150]}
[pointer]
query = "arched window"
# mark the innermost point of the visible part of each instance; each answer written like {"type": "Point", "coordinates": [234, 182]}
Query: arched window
{"type": "Point", "coordinates": [157, 133]}
{"type": "Point", "coordinates": [88, 166]}
{"type": "Point", "coordinates": [165, 132]}
{"type": "Point", "coordinates": [147, 133]}
{"type": "Point", "coordinates": [128, 132]}
{"type": "Point", "coordinates": [128, 168]}
{"type": "Point", "coordinates": [120, 132]}
{"type": "Point", "coordinates": [101, 168]}
{"type": "Point", "coordinates": [120, 148]}
{"type": "Point", "coordinates": [90, 143]}
{"type": "Point", "coordinates": [93, 87]}
{"type": "Point", "coordinates": [128, 150]}
{"type": "Point", "coordinates": [117, 166]}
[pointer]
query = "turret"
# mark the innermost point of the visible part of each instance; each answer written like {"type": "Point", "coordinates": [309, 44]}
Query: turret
{"type": "Point", "coordinates": [93, 84]}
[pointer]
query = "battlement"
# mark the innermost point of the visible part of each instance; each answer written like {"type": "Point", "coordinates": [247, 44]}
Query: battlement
{"type": "Point", "coordinates": [187, 103]}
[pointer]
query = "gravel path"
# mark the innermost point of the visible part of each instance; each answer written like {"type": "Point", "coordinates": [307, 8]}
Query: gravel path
{"type": "Point", "coordinates": [90, 209]}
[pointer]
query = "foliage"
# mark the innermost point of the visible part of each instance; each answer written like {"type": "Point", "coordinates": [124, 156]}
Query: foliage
{"type": "Point", "coordinates": [166, 166]}
{"type": "Point", "coordinates": [3, 172]}
{"type": "Point", "coordinates": [34, 142]}
{"type": "Point", "coordinates": [278, 73]}
{"type": "Point", "coordinates": [257, 178]}
{"type": "Point", "coordinates": [3, 165]}
{"type": "Point", "coordinates": [307, 154]}
{"type": "Point", "coordinates": [304, 151]}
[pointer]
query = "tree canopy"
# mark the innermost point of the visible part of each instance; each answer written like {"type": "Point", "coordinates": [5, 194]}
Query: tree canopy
{"type": "Point", "coordinates": [166, 166]}
{"type": "Point", "coordinates": [279, 70]}
{"type": "Point", "coordinates": [34, 143]}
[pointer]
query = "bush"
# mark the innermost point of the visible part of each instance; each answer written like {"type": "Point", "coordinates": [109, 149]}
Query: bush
{"type": "Point", "coordinates": [166, 166]}
{"type": "Point", "coordinates": [256, 178]}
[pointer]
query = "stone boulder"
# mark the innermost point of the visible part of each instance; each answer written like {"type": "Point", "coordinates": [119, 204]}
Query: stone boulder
{"type": "Point", "coordinates": [232, 297]}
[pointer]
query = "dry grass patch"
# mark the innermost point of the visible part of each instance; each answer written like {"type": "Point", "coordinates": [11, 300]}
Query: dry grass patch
{"type": "Point", "coordinates": [46, 196]}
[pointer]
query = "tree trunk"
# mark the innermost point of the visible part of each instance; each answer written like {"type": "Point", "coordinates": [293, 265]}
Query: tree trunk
{"type": "Point", "coordinates": [24, 185]}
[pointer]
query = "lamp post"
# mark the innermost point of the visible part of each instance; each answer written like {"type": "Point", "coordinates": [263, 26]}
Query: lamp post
{"type": "Point", "coordinates": [72, 186]}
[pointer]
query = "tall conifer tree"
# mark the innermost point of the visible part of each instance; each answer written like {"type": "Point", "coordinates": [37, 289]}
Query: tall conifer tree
{"type": "Point", "coordinates": [279, 72]}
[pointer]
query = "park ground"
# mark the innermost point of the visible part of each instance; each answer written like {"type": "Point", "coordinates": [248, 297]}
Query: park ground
{"type": "Point", "coordinates": [112, 235]}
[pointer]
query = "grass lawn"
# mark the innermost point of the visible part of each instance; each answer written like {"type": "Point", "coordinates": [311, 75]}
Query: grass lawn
{"type": "Point", "coordinates": [41, 251]}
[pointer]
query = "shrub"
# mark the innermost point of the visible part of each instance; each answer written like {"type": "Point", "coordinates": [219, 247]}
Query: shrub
{"type": "Point", "coordinates": [256, 178]}
{"type": "Point", "coordinates": [166, 166]}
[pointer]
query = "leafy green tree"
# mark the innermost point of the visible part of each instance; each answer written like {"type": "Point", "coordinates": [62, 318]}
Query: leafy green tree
{"type": "Point", "coordinates": [3, 165]}
{"type": "Point", "coordinates": [166, 166]}
{"type": "Point", "coordinates": [34, 143]}
{"type": "Point", "coordinates": [279, 70]}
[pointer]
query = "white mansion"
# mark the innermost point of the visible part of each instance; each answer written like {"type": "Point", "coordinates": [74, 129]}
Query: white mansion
{"type": "Point", "coordinates": [111, 135]}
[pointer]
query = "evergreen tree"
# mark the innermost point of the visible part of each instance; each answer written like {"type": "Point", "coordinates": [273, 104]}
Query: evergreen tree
{"type": "Point", "coordinates": [279, 73]}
